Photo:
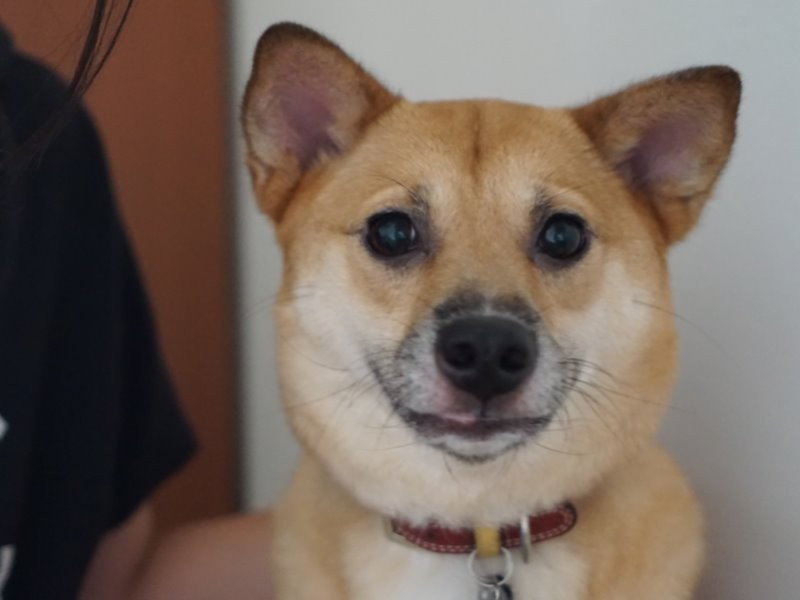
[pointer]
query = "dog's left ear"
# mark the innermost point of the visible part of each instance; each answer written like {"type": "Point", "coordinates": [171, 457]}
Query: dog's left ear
{"type": "Point", "coordinates": [669, 138]}
{"type": "Point", "coordinates": [306, 102]}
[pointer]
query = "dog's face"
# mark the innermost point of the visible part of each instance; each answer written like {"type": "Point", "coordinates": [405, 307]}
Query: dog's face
{"type": "Point", "coordinates": [475, 302]}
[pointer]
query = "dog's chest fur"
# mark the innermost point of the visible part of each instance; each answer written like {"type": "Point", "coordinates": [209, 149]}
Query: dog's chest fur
{"type": "Point", "coordinates": [379, 568]}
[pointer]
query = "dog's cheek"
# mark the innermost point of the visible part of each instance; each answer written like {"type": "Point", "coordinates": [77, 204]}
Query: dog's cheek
{"type": "Point", "coordinates": [331, 310]}
{"type": "Point", "coordinates": [625, 341]}
{"type": "Point", "coordinates": [326, 333]}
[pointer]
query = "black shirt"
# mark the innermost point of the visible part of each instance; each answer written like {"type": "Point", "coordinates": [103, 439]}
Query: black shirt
{"type": "Point", "coordinates": [88, 421]}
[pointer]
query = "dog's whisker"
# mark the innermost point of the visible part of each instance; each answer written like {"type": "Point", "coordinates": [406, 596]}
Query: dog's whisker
{"type": "Point", "coordinates": [352, 386]}
{"type": "Point", "coordinates": [606, 391]}
{"type": "Point", "coordinates": [703, 332]}
{"type": "Point", "coordinates": [580, 364]}
{"type": "Point", "coordinates": [398, 447]}
{"type": "Point", "coordinates": [449, 469]}
{"type": "Point", "coordinates": [331, 421]}
{"type": "Point", "coordinates": [400, 426]}
{"type": "Point", "coordinates": [277, 298]}
{"type": "Point", "coordinates": [384, 427]}
{"type": "Point", "coordinates": [348, 400]}
{"type": "Point", "coordinates": [338, 369]}
{"type": "Point", "coordinates": [539, 444]}
{"type": "Point", "coordinates": [593, 405]}
{"type": "Point", "coordinates": [505, 466]}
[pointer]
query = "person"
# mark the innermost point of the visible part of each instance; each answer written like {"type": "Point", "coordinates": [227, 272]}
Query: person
{"type": "Point", "coordinates": [89, 424]}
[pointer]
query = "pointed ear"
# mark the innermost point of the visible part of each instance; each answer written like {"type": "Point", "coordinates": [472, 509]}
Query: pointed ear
{"type": "Point", "coordinates": [669, 138]}
{"type": "Point", "coordinates": [306, 101]}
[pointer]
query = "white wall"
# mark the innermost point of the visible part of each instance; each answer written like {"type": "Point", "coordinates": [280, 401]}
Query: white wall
{"type": "Point", "coordinates": [737, 285]}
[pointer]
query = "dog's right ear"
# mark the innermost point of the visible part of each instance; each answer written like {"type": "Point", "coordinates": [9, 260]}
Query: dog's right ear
{"type": "Point", "coordinates": [306, 102]}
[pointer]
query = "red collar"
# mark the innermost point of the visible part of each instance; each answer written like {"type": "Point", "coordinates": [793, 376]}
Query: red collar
{"type": "Point", "coordinates": [433, 537]}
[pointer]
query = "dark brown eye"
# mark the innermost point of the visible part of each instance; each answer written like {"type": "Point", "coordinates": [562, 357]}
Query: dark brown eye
{"type": "Point", "coordinates": [391, 234]}
{"type": "Point", "coordinates": [563, 238]}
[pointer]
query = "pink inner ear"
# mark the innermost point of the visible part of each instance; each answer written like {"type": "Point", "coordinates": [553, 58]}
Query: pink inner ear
{"type": "Point", "coordinates": [305, 115]}
{"type": "Point", "coordinates": [666, 153]}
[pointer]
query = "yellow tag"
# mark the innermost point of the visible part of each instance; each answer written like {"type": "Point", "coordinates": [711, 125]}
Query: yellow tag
{"type": "Point", "coordinates": [487, 542]}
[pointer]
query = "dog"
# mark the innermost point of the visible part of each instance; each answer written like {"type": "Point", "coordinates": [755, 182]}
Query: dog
{"type": "Point", "coordinates": [476, 339]}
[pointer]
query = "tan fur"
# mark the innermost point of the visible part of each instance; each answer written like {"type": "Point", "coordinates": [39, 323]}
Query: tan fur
{"type": "Point", "coordinates": [484, 170]}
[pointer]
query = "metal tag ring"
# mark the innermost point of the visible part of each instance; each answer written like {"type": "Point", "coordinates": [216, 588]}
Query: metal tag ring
{"type": "Point", "coordinates": [481, 578]}
{"type": "Point", "coordinates": [525, 539]}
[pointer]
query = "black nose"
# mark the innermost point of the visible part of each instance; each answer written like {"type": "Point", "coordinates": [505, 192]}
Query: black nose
{"type": "Point", "coordinates": [486, 356]}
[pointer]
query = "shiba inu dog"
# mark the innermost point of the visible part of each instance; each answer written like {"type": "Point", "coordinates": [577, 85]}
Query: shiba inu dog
{"type": "Point", "coordinates": [476, 342]}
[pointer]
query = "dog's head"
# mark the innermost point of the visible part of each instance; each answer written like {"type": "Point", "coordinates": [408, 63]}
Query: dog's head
{"type": "Point", "coordinates": [475, 316]}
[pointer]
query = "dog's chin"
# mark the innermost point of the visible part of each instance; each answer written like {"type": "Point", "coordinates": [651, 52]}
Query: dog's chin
{"type": "Point", "coordinates": [472, 438]}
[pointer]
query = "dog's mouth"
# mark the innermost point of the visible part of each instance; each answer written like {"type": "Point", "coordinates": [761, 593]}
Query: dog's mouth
{"type": "Point", "coordinates": [472, 426]}
{"type": "Point", "coordinates": [472, 437]}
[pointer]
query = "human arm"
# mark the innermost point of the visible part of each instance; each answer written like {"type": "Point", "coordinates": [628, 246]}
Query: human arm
{"type": "Point", "coordinates": [222, 558]}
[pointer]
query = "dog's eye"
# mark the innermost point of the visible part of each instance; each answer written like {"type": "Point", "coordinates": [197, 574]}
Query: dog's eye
{"type": "Point", "coordinates": [563, 238]}
{"type": "Point", "coordinates": [391, 234]}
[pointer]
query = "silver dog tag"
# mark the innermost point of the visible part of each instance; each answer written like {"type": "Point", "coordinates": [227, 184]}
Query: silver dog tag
{"type": "Point", "coordinates": [495, 592]}
{"type": "Point", "coordinates": [489, 594]}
